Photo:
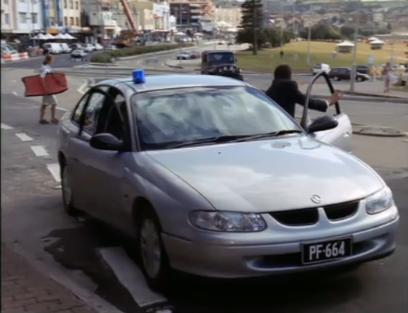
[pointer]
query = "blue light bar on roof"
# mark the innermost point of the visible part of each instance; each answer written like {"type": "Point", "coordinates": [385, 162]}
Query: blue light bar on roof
{"type": "Point", "coordinates": [138, 76]}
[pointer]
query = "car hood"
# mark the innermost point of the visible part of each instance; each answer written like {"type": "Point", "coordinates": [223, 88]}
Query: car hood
{"type": "Point", "coordinates": [271, 175]}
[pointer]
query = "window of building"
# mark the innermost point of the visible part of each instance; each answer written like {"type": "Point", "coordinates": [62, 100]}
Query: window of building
{"type": "Point", "coordinates": [6, 18]}
{"type": "Point", "coordinates": [34, 1]}
{"type": "Point", "coordinates": [71, 4]}
{"type": "Point", "coordinates": [71, 21]}
{"type": "Point", "coordinates": [22, 17]}
{"type": "Point", "coordinates": [65, 4]}
{"type": "Point", "coordinates": [65, 21]}
{"type": "Point", "coordinates": [77, 21]}
{"type": "Point", "coordinates": [34, 18]}
{"type": "Point", "coordinates": [76, 5]}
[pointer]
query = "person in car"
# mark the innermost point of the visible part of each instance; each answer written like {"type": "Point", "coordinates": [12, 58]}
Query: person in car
{"type": "Point", "coordinates": [286, 93]}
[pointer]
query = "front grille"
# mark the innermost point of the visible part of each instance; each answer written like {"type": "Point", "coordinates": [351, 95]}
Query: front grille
{"type": "Point", "coordinates": [310, 216]}
{"type": "Point", "coordinates": [341, 210]}
{"type": "Point", "coordinates": [297, 217]}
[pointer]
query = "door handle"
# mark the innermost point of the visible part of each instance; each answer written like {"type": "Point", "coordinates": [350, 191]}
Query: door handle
{"type": "Point", "coordinates": [75, 160]}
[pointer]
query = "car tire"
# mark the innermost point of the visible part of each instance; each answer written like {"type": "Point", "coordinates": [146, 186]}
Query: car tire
{"type": "Point", "coordinates": [151, 253]}
{"type": "Point", "coordinates": [67, 195]}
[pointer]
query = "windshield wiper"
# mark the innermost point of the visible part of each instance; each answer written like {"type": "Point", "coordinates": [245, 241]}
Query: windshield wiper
{"type": "Point", "coordinates": [196, 142]}
{"type": "Point", "coordinates": [271, 134]}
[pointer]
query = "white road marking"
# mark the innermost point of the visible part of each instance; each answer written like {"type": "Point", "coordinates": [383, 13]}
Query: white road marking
{"type": "Point", "coordinates": [82, 88]}
{"type": "Point", "coordinates": [24, 137]}
{"type": "Point", "coordinates": [39, 151]}
{"type": "Point", "coordinates": [15, 93]}
{"type": "Point", "coordinates": [130, 276]}
{"type": "Point", "coordinates": [54, 169]}
{"type": "Point", "coordinates": [5, 126]}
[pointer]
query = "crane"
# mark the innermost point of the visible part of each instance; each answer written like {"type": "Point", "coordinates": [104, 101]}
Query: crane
{"type": "Point", "coordinates": [126, 38]}
{"type": "Point", "coordinates": [129, 15]}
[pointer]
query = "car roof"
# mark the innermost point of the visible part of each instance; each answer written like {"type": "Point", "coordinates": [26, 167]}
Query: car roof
{"type": "Point", "coordinates": [218, 51]}
{"type": "Point", "coordinates": [160, 82]}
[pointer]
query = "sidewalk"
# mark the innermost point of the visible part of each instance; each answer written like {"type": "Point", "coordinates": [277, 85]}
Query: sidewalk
{"type": "Point", "coordinates": [26, 290]}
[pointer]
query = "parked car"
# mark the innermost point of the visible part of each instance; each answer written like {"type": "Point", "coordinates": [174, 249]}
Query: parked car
{"type": "Point", "coordinates": [363, 69]}
{"type": "Point", "coordinates": [322, 67]}
{"type": "Point", "coordinates": [98, 47]}
{"type": "Point", "coordinates": [79, 54]}
{"type": "Point", "coordinates": [88, 47]}
{"type": "Point", "coordinates": [65, 48]}
{"type": "Point", "coordinates": [343, 73]}
{"type": "Point", "coordinates": [77, 46]}
{"type": "Point", "coordinates": [212, 178]}
{"type": "Point", "coordinates": [53, 47]}
{"type": "Point", "coordinates": [221, 63]}
{"type": "Point", "coordinates": [183, 55]}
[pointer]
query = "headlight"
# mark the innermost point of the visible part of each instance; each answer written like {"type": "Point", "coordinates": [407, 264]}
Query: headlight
{"type": "Point", "coordinates": [380, 201]}
{"type": "Point", "coordinates": [228, 221]}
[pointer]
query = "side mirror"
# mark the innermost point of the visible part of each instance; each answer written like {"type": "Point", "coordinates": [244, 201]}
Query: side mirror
{"type": "Point", "coordinates": [106, 141]}
{"type": "Point", "coordinates": [322, 123]}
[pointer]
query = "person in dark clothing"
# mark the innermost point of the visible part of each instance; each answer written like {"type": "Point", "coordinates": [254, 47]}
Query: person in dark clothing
{"type": "Point", "coordinates": [286, 93]}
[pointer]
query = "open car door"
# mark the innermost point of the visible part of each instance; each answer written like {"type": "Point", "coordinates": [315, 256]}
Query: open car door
{"type": "Point", "coordinates": [339, 136]}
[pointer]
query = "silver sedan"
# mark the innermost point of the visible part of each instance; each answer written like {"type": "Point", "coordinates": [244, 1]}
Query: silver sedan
{"type": "Point", "coordinates": [211, 177]}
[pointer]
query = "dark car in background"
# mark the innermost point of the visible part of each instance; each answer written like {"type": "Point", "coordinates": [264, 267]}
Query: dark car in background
{"type": "Point", "coordinates": [363, 69]}
{"type": "Point", "coordinates": [221, 63]}
{"type": "Point", "coordinates": [344, 73]}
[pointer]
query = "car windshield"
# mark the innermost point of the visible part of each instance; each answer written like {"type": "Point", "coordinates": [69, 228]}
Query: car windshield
{"type": "Point", "coordinates": [221, 58]}
{"type": "Point", "coordinates": [190, 116]}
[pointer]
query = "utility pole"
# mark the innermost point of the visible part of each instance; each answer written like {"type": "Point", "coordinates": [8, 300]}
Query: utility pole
{"type": "Point", "coordinates": [281, 29]}
{"type": "Point", "coordinates": [309, 35]}
{"type": "Point", "coordinates": [255, 39]}
{"type": "Point", "coordinates": [353, 69]}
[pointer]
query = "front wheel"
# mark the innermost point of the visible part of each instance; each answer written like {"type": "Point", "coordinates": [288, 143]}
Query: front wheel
{"type": "Point", "coordinates": [153, 258]}
{"type": "Point", "coordinates": [67, 196]}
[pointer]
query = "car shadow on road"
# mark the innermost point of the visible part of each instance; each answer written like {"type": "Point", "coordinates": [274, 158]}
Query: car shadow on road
{"type": "Point", "coordinates": [323, 291]}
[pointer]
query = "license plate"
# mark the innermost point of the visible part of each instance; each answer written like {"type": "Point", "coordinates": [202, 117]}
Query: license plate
{"type": "Point", "coordinates": [325, 250]}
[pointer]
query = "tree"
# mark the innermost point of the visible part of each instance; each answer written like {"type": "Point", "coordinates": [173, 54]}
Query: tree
{"type": "Point", "coordinates": [347, 31]}
{"type": "Point", "coordinates": [251, 24]}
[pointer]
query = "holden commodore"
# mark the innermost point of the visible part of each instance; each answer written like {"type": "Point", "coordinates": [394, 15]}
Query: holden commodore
{"type": "Point", "coordinates": [211, 177]}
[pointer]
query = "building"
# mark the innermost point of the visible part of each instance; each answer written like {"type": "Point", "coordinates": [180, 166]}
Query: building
{"type": "Point", "coordinates": [27, 17]}
{"type": "Point", "coordinates": [7, 17]}
{"type": "Point", "coordinates": [71, 11]}
{"type": "Point", "coordinates": [97, 15]}
{"type": "Point", "coordinates": [231, 16]}
{"type": "Point", "coordinates": [191, 14]}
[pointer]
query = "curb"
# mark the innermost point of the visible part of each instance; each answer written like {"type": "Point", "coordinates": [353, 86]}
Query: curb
{"type": "Point", "coordinates": [367, 98]}
{"type": "Point", "coordinates": [363, 94]}
{"type": "Point", "coordinates": [377, 131]}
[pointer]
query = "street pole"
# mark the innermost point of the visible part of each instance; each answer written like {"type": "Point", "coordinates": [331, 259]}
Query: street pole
{"type": "Point", "coordinates": [281, 29]}
{"type": "Point", "coordinates": [255, 39]}
{"type": "Point", "coordinates": [309, 35]}
{"type": "Point", "coordinates": [353, 69]}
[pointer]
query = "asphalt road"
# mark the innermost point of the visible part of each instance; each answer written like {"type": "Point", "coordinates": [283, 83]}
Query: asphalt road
{"type": "Point", "coordinates": [60, 60]}
{"type": "Point", "coordinates": [33, 219]}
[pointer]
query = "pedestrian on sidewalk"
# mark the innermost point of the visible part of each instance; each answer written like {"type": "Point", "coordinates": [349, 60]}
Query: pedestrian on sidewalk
{"type": "Point", "coordinates": [386, 72]}
{"type": "Point", "coordinates": [47, 100]}
{"type": "Point", "coordinates": [286, 93]}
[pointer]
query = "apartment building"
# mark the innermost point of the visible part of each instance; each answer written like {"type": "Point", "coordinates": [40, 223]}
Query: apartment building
{"type": "Point", "coordinates": [7, 16]}
{"type": "Point", "coordinates": [27, 16]}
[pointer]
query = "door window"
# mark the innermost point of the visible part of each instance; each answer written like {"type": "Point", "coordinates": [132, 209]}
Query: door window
{"type": "Point", "coordinates": [76, 116]}
{"type": "Point", "coordinates": [92, 112]}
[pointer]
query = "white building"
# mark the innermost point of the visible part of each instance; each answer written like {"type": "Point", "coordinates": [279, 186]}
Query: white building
{"type": "Point", "coordinates": [231, 16]}
{"type": "Point", "coordinates": [71, 11]}
{"type": "Point", "coordinates": [7, 16]}
{"type": "Point", "coordinates": [28, 16]}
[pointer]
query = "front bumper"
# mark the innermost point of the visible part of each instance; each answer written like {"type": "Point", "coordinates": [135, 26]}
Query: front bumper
{"type": "Point", "coordinates": [251, 260]}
